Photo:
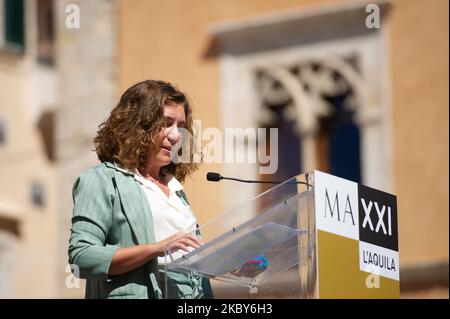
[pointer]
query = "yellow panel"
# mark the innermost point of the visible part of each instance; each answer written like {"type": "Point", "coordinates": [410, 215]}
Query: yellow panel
{"type": "Point", "coordinates": [339, 274]}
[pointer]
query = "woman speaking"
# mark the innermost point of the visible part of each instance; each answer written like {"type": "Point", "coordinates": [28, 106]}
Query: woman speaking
{"type": "Point", "coordinates": [131, 208]}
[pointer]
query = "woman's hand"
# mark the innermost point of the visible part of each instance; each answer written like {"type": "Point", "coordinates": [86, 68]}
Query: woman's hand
{"type": "Point", "coordinates": [129, 258]}
{"type": "Point", "coordinates": [179, 241]}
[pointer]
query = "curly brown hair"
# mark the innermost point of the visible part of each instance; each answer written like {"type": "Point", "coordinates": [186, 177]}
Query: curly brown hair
{"type": "Point", "coordinates": [129, 135]}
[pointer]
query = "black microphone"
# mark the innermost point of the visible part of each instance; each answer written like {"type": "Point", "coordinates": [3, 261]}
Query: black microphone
{"type": "Point", "coordinates": [213, 177]}
{"type": "Point", "coordinates": [216, 177]}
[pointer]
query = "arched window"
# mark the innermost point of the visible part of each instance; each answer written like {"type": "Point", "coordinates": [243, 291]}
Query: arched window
{"type": "Point", "coordinates": [328, 98]}
{"type": "Point", "coordinates": [14, 24]}
{"type": "Point", "coordinates": [277, 103]}
{"type": "Point", "coordinates": [332, 71]}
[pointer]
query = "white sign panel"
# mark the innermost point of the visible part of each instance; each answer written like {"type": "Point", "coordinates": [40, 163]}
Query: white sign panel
{"type": "Point", "coordinates": [336, 202]}
{"type": "Point", "coordinates": [379, 260]}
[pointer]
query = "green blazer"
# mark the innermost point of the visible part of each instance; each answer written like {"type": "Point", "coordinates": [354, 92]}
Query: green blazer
{"type": "Point", "coordinates": [111, 211]}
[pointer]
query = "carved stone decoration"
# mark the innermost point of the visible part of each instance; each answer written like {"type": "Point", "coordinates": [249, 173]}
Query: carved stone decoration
{"type": "Point", "coordinates": [302, 90]}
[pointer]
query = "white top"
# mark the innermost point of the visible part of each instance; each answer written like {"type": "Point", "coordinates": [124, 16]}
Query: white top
{"type": "Point", "coordinates": [170, 214]}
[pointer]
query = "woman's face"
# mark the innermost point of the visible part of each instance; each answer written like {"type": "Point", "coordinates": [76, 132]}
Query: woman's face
{"type": "Point", "coordinates": [175, 118]}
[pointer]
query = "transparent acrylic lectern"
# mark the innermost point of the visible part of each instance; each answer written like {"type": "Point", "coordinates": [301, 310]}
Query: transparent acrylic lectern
{"type": "Point", "coordinates": [266, 245]}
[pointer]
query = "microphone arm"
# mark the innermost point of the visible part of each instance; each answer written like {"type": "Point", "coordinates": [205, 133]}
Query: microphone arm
{"type": "Point", "coordinates": [249, 181]}
{"type": "Point", "coordinates": [216, 177]}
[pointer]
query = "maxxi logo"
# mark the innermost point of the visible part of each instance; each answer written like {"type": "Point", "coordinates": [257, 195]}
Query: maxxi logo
{"type": "Point", "coordinates": [378, 217]}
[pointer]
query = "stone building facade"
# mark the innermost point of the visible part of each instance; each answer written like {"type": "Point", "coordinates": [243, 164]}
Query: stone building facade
{"type": "Point", "coordinates": [300, 65]}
